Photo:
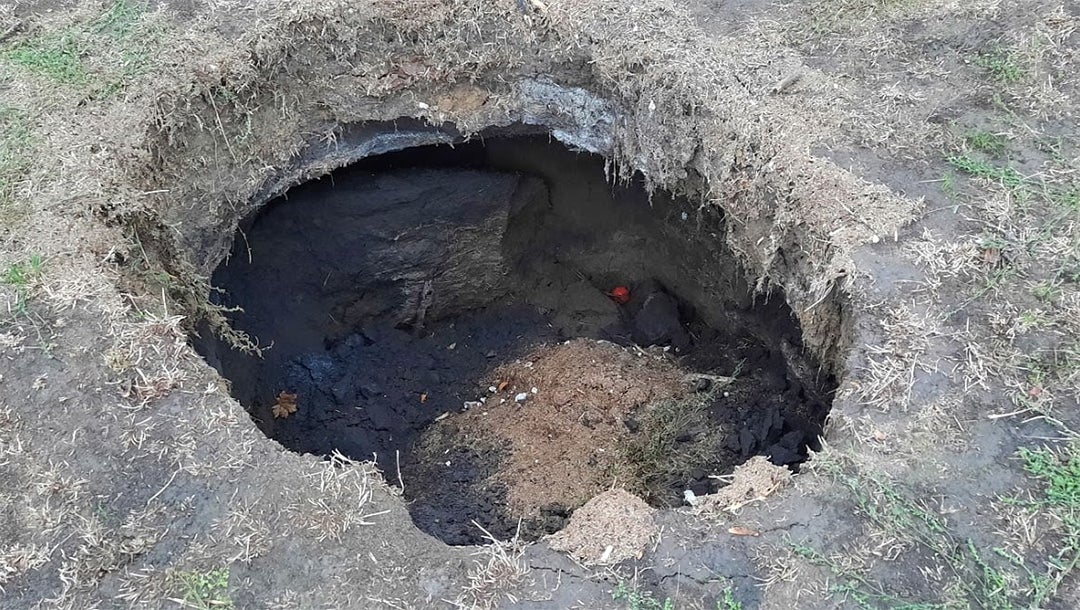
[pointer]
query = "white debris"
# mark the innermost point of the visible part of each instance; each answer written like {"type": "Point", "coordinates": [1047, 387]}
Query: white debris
{"type": "Point", "coordinates": [470, 404]}
{"type": "Point", "coordinates": [492, 389]}
{"type": "Point", "coordinates": [521, 397]}
{"type": "Point", "coordinates": [690, 497]}
{"type": "Point", "coordinates": [534, 390]}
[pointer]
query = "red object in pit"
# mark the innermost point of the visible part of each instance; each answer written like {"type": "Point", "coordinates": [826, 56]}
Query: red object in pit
{"type": "Point", "coordinates": [620, 294]}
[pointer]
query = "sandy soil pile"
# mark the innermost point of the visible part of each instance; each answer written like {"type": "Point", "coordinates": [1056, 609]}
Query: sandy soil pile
{"type": "Point", "coordinates": [612, 527]}
{"type": "Point", "coordinates": [564, 438]}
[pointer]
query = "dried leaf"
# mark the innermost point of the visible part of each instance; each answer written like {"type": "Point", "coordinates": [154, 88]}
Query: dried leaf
{"type": "Point", "coordinates": [991, 256]}
{"type": "Point", "coordinates": [285, 406]}
{"type": "Point", "coordinates": [738, 530]}
{"type": "Point", "coordinates": [503, 385]}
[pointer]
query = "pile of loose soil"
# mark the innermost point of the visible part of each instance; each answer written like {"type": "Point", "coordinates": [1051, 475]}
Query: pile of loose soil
{"type": "Point", "coordinates": [542, 437]}
{"type": "Point", "coordinates": [612, 527]}
{"type": "Point", "coordinates": [544, 433]}
{"type": "Point", "coordinates": [754, 480]}
{"type": "Point", "coordinates": [563, 440]}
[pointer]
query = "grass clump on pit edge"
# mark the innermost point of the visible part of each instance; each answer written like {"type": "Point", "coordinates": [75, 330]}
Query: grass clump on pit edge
{"type": "Point", "coordinates": [675, 438]}
{"type": "Point", "coordinates": [993, 579]}
{"type": "Point", "coordinates": [204, 590]}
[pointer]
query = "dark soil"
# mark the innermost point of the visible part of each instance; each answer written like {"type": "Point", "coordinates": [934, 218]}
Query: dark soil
{"type": "Point", "coordinates": [389, 293]}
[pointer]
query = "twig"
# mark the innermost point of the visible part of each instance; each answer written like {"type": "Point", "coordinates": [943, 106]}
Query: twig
{"type": "Point", "coordinates": [397, 457]}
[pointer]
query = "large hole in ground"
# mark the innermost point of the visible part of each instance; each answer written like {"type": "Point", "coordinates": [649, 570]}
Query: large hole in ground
{"type": "Point", "coordinates": [509, 333]}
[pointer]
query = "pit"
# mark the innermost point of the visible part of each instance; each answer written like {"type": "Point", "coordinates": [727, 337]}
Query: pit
{"type": "Point", "coordinates": [508, 328]}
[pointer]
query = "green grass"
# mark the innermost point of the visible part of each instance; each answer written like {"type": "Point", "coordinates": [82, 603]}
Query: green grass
{"type": "Point", "coordinates": [989, 578]}
{"type": "Point", "coordinates": [728, 601]}
{"type": "Point", "coordinates": [982, 169]}
{"type": "Point", "coordinates": [637, 600]}
{"type": "Point", "coordinates": [863, 591]}
{"type": "Point", "coordinates": [58, 57]}
{"type": "Point", "coordinates": [1046, 291]}
{"type": "Point", "coordinates": [103, 54]}
{"type": "Point", "coordinates": [986, 142]}
{"type": "Point", "coordinates": [121, 19]}
{"type": "Point", "coordinates": [21, 276]}
{"type": "Point", "coordinates": [1001, 65]}
{"type": "Point", "coordinates": [206, 590]}
{"type": "Point", "coordinates": [1069, 198]}
{"type": "Point", "coordinates": [1059, 471]}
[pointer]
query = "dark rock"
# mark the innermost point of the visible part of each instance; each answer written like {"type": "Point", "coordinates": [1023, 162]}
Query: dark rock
{"type": "Point", "coordinates": [658, 323]}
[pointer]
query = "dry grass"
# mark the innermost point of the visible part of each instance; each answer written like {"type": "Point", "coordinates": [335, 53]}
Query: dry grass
{"type": "Point", "coordinates": [343, 490]}
{"type": "Point", "coordinates": [497, 570]}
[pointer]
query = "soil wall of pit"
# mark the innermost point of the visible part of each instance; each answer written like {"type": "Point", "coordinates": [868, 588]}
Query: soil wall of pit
{"type": "Point", "coordinates": [225, 146]}
{"type": "Point", "coordinates": [409, 239]}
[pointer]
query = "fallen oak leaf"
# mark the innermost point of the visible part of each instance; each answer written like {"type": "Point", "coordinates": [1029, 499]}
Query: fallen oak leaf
{"type": "Point", "coordinates": [285, 405]}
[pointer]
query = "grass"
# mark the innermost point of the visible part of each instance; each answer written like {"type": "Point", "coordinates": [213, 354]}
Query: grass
{"type": "Point", "coordinates": [1046, 291]}
{"type": "Point", "coordinates": [655, 456]}
{"type": "Point", "coordinates": [986, 142]}
{"type": "Point", "coordinates": [16, 140]}
{"type": "Point", "coordinates": [865, 592]}
{"type": "Point", "coordinates": [205, 590]}
{"type": "Point", "coordinates": [728, 601]}
{"type": "Point", "coordinates": [994, 578]}
{"type": "Point", "coordinates": [1001, 65]}
{"type": "Point", "coordinates": [121, 19]}
{"type": "Point", "coordinates": [58, 57]}
{"type": "Point", "coordinates": [104, 54]}
{"type": "Point", "coordinates": [637, 600]}
{"type": "Point", "coordinates": [982, 169]}
{"type": "Point", "coordinates": [21, 276]}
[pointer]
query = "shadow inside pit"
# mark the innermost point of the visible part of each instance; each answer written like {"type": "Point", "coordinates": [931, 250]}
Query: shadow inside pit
{"type": "Point", "coordinates": [389, 289]}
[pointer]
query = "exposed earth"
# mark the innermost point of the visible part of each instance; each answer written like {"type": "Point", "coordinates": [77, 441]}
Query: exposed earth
{"type": "Point", "coordinates": [261, 263]}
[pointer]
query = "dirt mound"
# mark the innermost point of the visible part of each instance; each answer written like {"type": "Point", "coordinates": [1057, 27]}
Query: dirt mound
{"type": "Point", "coordinates": [755, 480]}
{"type": "Point", "coordinates": [563, 438]}
{"type": "Point", "coordinates": [545, 433]}
{"type": "Point", "coordinates": [612, 527]}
